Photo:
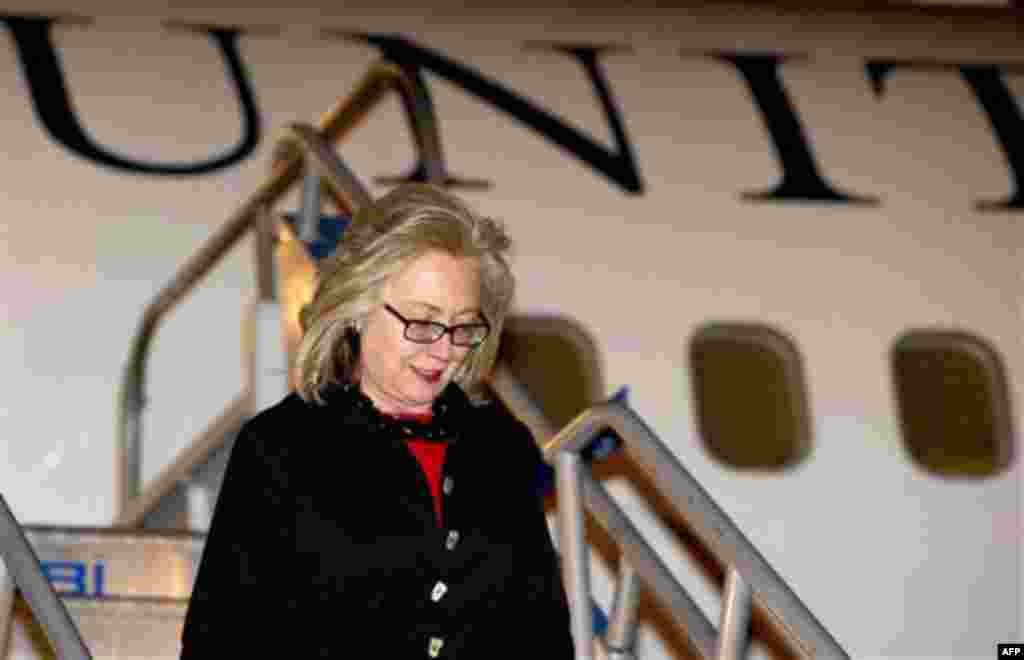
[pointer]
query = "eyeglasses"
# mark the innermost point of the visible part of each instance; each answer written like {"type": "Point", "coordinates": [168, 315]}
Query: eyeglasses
{"type": "Point", "coordinates": [468, 335]}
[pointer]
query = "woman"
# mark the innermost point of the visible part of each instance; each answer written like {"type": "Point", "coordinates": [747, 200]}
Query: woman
{"type": "Point", "coordinates": [385, 510]}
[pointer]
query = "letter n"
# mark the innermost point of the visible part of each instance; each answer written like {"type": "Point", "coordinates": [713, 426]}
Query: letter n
{"type": "Point", "coordinates": [618, 166]}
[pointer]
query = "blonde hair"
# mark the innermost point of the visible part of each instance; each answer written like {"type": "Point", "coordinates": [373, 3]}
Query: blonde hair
{"type": "Point", "coordinates": [381, 240]}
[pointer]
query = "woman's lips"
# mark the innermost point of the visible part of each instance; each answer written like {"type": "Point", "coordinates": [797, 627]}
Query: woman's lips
{"type": "Point", "coordinates": [429, 376]}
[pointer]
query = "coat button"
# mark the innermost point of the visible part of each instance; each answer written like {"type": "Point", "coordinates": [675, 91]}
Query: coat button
{"type": "Point", "coordinates": [448, 485]}
{"type": "Point", "coordinates": [434, 647]}
{"type": "Point", "coordinates": [452, 540]}
{"type": "Point", "coordinates": [440, 589]}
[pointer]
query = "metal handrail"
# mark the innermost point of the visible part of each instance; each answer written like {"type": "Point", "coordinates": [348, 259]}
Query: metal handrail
{"type": "Point", "coordinates": [749, 576]}
{"type": "Point", "coordinates": [178, 472]}
{"type": "Point", "coordinates": [347, 190]}
{"type": "Point", "coordinates": [709, 523]}
{"type": "Point", "coordinates": [23, 565]}
{"type": "Point", "coordinates": [349, 193]}
{"type": "Point", "coordinates": [333, 127]}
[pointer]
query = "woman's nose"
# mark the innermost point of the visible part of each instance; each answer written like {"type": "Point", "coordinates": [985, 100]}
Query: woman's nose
{"type": "Point", "coordinates": [442, 348]}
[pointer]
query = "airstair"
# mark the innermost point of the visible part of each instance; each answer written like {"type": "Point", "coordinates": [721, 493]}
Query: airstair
{"type": "Point", "coordinates": [122, 592]}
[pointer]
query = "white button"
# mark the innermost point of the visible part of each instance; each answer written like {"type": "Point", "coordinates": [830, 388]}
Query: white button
{"type": "Point", "coordinates": [440, 589]}
{"type": "Point", "coordinates": [448, 485]}
{"type": "Point", "coordinates": [452, 540]}
{"type": "Point", "coordinates": [434, 648]}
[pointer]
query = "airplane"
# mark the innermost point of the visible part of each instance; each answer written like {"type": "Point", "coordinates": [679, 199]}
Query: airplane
{"type": "Point", "coordinates": [788, 238]}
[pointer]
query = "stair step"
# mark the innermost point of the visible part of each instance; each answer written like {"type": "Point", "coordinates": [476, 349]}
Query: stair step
{"type": "Point", "coordinates": [85, 562]}
{"type": "Point", "coordinates": [126, 590]}
{"type": "Point", "coordinates": [112, 629]}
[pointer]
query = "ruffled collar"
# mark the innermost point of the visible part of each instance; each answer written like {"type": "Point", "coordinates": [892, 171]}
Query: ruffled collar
{"type": "Point", "coordinates": [450, 411]}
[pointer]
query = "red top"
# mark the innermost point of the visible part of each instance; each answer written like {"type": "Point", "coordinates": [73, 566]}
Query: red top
{"type": "Point", "coordinates": [430, 456]}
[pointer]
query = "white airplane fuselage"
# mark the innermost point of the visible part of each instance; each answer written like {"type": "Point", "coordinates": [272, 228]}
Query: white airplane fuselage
{"type": "Point", "coordinates": [840, 188]}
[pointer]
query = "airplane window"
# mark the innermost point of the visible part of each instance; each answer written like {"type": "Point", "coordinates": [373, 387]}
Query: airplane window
{"type": "Point", "coordinates": [557, 361]}
{"type": "Point", "coordinates": [953, 403]}
{"type": "Point", "coordinates": [751, 397]}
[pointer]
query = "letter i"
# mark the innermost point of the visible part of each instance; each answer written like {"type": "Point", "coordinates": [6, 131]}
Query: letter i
{"type": "Point", "coordinates": [99, 573]}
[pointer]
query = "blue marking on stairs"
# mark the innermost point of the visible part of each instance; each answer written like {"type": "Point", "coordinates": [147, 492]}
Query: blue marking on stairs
{"type": "Point", "coordinates": [329, 231]}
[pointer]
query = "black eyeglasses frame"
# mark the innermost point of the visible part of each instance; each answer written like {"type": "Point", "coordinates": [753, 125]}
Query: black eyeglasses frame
{"type": "Point", "coordinates": [445, 329]}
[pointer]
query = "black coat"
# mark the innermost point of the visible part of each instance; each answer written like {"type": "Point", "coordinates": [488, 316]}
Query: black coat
{"type": "Point", "coordinates": [324, 542]}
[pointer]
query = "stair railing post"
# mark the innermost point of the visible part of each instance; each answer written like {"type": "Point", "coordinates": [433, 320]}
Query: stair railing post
{"type": "Point", "coordinates": [735, 627]}
{"type": "Point", "coordinates": [270, 377]}
{"type": "Point", "coordinates": [6, 608]}
{"type": "Point", "coordinates": [574, 551]}
{"type": "Point", "coordinates": [309, 215]}
{"type": "Point", "coordinates": [623, 622]}
{"type": "Point", "coordinates": [21, 562]}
